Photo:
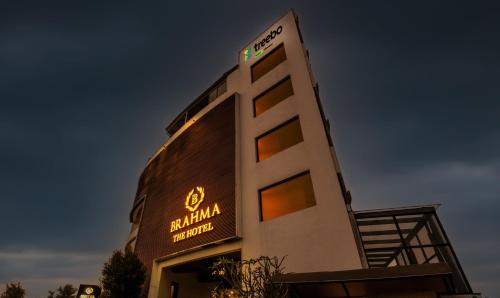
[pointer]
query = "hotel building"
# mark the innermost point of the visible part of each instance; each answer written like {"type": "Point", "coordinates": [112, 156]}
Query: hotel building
{"type": "Point", "coordinates": [250, 169]}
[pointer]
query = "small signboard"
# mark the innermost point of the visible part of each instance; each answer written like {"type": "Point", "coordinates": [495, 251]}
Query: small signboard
{"type": "Point", "coordinates": [88, 291]}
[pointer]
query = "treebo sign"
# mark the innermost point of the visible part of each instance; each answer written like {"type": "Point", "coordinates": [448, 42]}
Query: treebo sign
{"type": "Point", "coordinates": [262, 45]}
{"type": "Point", "coordinates": [268, 38]}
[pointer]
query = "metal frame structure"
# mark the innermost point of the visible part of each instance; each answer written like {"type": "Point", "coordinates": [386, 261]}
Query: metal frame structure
{"type": "Point", "coordinates": [408, 236]}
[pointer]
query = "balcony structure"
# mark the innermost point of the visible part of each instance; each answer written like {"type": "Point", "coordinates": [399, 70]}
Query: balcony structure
{"type": "Point", "coordinates": [405, 253]}
{"type": "Point", "coordinates": [408, 236]}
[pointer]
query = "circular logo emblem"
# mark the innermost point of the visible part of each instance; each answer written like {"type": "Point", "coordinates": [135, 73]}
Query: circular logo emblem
{"type": "Point", "coordinates": [89, 291]}
{"type": "Point", "coordinates": [194, 198]}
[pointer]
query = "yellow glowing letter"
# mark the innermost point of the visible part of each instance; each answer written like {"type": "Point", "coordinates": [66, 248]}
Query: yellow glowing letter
{"type": "Point", "coordinates": [215, 210]}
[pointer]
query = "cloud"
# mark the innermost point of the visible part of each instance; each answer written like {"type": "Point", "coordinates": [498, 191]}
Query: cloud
{"type": "Point", "coordinates": [87, 88]}
{"type": "Point", "coordinates": [43, 270]}
{"type": "Point", "coordinates": [34, 255]}
{"type": "Point", "coordinates": [47, 264]}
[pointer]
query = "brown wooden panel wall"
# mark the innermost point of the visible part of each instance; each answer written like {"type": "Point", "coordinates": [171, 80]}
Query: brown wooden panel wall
{"type": "Point", "coordinates": [203, 155]}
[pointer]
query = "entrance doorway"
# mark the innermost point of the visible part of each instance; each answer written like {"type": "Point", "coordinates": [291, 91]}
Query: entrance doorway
{"type": "Point", "coordinates": [192, 279]}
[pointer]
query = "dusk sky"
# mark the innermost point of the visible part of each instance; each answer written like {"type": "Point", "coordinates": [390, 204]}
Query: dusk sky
{"type": "Point", "coordinates": [412, 91]}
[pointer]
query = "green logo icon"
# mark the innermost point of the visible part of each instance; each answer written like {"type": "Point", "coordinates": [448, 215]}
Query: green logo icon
{"type": "Point", "coordinates": [248, 53]}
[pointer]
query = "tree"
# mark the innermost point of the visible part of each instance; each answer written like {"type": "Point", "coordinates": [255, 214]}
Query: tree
{"type": "Point", "coordinates": [123, 276]}
{"type": "Point", "coordinates": [13, 290]}
{"type": "Point", "coordinates": [254, 278]}
{"type": "Point", "coordinates": [65, 292]}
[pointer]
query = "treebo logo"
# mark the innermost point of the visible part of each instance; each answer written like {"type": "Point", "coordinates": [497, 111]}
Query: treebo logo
{"type": "Point", "coordinates": [248, 53]}
{"type": "Point", "coordinates": [262, 45]}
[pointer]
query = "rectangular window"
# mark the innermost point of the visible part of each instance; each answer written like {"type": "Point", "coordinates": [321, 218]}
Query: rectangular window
{"type": "Point", "coordinates": [272, 96]}
{"type": "Point", "coordinates": [270, 61]}
{"type": "Point", "coordinates": [293, 194]}
{"type": "Point", "coordinates": [279, 138]}
{"type": "Point", "coordinates": [217, 91]}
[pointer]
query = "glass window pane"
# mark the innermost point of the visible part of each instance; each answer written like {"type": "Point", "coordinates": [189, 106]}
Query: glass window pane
{"type": "Point", "coordinates": [430, 251]}
{"type": "Point", "coordinates": [289, 196]}
{"type": "Point", "coordinates": [136, 217]}
{"type": "Point", "coordinates": [212, 95]}
{"type": "Point", "coordinates": [266, 64]}
{"type": "Point", "coordinates": [273, 96]}
{"type": "Point", "coordinates": [279, 139]}
{"type": "Point", "coordinates": [419, 256]}
{"type": "Point", "coordinates": [222, 88]}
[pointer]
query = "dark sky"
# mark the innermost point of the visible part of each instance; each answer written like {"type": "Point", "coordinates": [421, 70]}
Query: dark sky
{"type": "Point", "coordinates": [86, 88]}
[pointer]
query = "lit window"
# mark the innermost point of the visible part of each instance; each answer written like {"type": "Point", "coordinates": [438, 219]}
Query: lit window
{"type": "Point", "coordinates": [278, 139]}
{"type": "Point", "coordinates": [272, 96]}
{"type": "Point", "coordinates": [270, 61]}
{"type": "Point", "coordinates": [293, 194]}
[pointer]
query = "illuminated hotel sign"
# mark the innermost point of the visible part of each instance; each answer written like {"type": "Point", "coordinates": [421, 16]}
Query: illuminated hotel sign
{"type": "Point", "coordinates": [190, 188]}
{"type": "Point", "coordinates": [260, 46]}
{"type": "Point", "coordinates": [197, 221]}
{"type": "Point", "coordinates": [88, 291]}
